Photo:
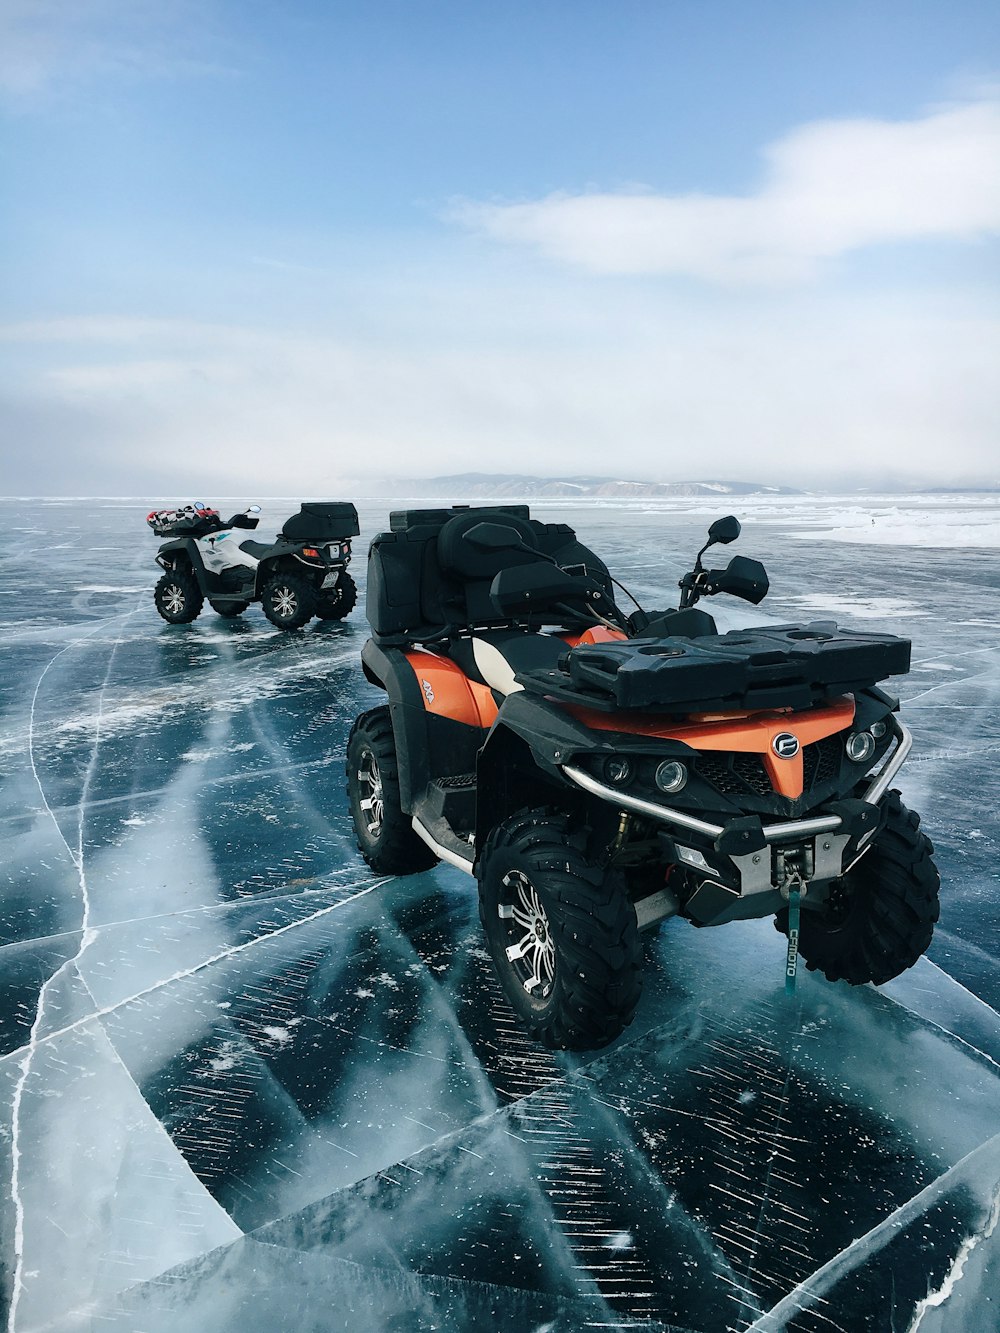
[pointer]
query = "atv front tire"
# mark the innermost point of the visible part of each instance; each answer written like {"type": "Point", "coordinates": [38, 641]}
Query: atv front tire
{"type": "Point", "coordinates": [338, 602]}
{"type": "Point", "coordinates": [178, 598]}
{"type": "Point", "coordinates": [880, 917]}
{"type": "Point", "coordinates": [385, 835]}
{"type": "Point", "coordinates": [288, 601]}
{"type": "Point", "coordinates": [562, 932]}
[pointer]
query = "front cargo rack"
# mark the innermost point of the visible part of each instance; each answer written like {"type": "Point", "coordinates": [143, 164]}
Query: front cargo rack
{"type": "Point", "coordinates": [779, 666]}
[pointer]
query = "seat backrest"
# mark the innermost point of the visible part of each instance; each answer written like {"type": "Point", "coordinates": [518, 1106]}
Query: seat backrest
{"type": "Point", "coordinates": [425, 580]}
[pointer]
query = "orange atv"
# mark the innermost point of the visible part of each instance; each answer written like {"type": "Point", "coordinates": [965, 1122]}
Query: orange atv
{"type": "Point", "coordinates": [598, 773]}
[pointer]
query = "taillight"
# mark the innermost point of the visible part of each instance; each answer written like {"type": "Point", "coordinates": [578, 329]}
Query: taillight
{"type": "Point", "coordinates": [310, 550]}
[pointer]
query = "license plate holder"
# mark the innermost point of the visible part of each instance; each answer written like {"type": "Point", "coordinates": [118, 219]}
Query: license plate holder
{"type": "Point", "coordinates": [331, 579]}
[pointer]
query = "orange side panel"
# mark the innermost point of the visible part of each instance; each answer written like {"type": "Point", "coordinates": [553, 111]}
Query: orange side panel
{"type": "Point", "coordinates": [448, 692]}
{"type": "Point", "coordinates": [750, 733]}
{"type": "Point", "coordinates": [596, 634]}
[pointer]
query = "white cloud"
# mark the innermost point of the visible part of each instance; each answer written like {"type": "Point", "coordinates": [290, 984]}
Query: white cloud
{"type": "Point", "coordinates": [47, 46]}
{"type": "Point", "coordinates": [797, 389]}
{"type": "Point", "coordinates": [829, 188]}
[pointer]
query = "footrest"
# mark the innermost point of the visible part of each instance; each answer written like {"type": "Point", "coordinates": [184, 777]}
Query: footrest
{"type": "Point", "coordinates": [453, 799]}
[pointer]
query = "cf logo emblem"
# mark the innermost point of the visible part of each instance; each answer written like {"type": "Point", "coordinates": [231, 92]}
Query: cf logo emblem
{"type": "Point", "coordinates": [785, 745]}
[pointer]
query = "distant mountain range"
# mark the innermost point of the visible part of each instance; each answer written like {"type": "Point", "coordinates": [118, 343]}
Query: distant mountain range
{"type": "Point", "coordinates": [502, 485]}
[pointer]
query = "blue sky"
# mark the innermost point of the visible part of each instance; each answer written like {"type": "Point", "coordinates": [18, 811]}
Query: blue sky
{"type": "Point", "coordinates": [281, 247]}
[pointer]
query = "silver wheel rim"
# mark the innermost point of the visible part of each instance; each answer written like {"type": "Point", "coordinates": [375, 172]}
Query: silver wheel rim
{"type": "Point", "coordinates": [371, 802]}
{"type": "Point", "coordinates": [174, 600]}
{"type": "Point", "coordinates": [532, 954]}
{"type": "Point", "coordinates": [284, 603]}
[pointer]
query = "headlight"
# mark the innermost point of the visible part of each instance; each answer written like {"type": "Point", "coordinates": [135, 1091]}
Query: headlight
{"type": "Point", "coordinates": [860, 746]}
{"type": "Point", "coordinates": [878, 729]}
{"type": "Point", "coordinates": [619, 770]}
{"type": "Point", "coordinates": [671, 776]}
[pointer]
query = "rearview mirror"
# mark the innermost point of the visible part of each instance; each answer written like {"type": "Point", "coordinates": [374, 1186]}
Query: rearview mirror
{"type": "Point", "coordinates": [253, 509]}
{"type": "Point", "coordinates": [724, 530]}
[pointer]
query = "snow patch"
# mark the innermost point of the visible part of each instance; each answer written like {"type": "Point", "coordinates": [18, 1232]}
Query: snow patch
{"type": "Point", "coordinates": [281, 1035]}
{"type": "Point", "coordinates": [228, 1058]}
{"type": "Point", "coordinates": [100, 587]}
{"type": "Point", "coordinates": [857, 608]}
{"type": "Point", "coordinates": [621, 1240]}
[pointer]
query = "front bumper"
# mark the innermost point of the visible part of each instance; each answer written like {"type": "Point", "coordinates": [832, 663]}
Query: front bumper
{"type": "Point", "coordinates": [748, 867]}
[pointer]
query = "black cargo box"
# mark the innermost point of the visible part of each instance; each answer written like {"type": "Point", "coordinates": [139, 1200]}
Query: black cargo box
{"type": "Point", "coordinates": [401, 520]}
{"type": "Point", "coordinates": [408, 597]}
{"type": "Point", "coordinates": [424, 584]}
{"type": "Point", "coordinates": [322, 521]}
{"type": "Point", "coordinates": [781, 666]}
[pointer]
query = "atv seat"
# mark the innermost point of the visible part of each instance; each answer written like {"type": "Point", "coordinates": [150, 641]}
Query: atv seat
{"type": "Point", "coordinates": [495, 657]}
{"type": "Point", "coordinates": [257, 549]}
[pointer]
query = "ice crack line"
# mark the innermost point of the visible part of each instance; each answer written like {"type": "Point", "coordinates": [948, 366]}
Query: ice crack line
{"type": "Point", "coordinates": [86, 938]}
{"type": "Point", "coordinates": [954, 1275]}
{"type": "Point", "coordinates": [972, 994]}
{"type": "Point", "coordinates": [968, 1170]}
{"type": "Point", "coordinates": [218, 957]}
{"type": "Point", "coordinates": [31, 721]}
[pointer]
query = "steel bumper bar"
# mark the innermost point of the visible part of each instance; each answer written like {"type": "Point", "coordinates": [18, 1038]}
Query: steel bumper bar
{"type": "Point", "coordinates": [785, 832]}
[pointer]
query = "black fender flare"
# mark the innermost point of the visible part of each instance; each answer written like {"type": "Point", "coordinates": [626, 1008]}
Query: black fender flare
{"type": "Point", "coordinates": [519, 765]}
{"type": "Point", "coordinates": [389, 669]}
{"type": "Point", "coordinates": [187, 548]}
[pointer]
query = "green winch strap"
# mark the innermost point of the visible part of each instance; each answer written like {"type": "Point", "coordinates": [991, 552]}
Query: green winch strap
{"type": "Point", "coordinates": [792, 957]}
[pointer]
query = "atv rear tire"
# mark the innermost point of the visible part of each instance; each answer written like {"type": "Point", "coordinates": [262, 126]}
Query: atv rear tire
{"type": "Point", "coordinates": [178, 598]}
{"type": "Point", "coordinates": [288, 601]}
{"type": "Point", "coordinates": [574, 977]}
{"type": "Point", "coordinates": [229, 610]}
{"type": "Point", "coordinates": [340, 601]}
{"type": "Point", "coordinates": [881, 915]}
{"type": "Point", "coordinates": [385, 836]}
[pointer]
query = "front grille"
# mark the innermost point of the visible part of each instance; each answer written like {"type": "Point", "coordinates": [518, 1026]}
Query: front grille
{"type": "Point", "coordinates": [715, 769]}
{"type": "Point", "coordinates": [735, 774]}
{"type": "Point", "coordinates": [751, 770]}
{"type": "Point", "coordinates": [821, 762]}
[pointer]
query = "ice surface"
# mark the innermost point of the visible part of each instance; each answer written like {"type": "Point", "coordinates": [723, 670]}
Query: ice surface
{"type": "Point", "coordinates": [245, 1084]}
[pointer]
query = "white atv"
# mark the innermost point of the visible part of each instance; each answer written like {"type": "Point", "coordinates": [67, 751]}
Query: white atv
{"type": "Point", "coordinates": [302, 573]}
